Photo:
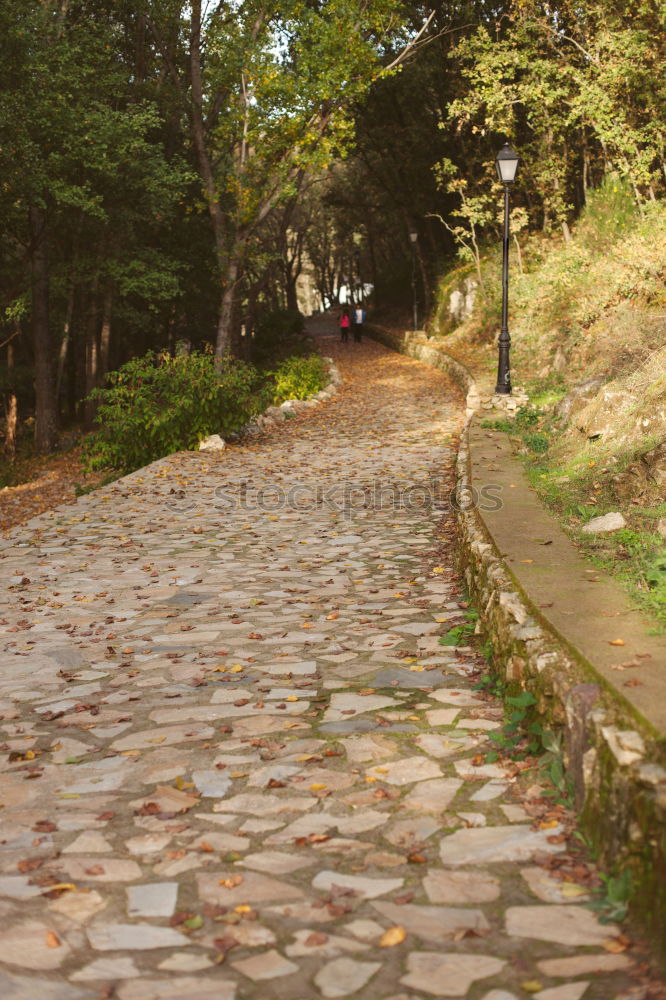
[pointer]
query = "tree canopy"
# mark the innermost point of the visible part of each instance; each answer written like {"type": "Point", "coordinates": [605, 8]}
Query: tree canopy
{"type": "Point", "coordinates": [169, 167]}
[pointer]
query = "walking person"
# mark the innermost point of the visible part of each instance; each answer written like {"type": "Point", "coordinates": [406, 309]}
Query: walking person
{"type": "Point", "coordinates": [345, 323]}
{"type": "Point", "coordinates": [359, 320]}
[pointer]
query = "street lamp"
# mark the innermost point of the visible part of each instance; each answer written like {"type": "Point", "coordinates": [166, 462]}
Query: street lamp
{"type": "Point", "coordinates": [414, 236]}
{"type": "Point", "coordinates": [506, 164]}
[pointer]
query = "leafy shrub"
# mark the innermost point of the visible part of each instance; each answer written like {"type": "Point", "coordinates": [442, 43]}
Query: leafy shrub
{"type": "Point", "coordinates": [278, 335]}
{"type": "Point", "coordinates": [157, 404]}
{"type": "Point", "coordinates": [298, 378]}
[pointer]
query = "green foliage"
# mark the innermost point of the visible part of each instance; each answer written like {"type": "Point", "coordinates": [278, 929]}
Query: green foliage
{"type": "Point", "coordinates": [613, 903]}
{"type": "Point", "coordinates": [157, 404]}
{"type": "Point", "coordinates": [460, 634]}
{"type": "Point", "coordinates": [279, 334]}
{"type": "Point", "coordinates": [298, 378]}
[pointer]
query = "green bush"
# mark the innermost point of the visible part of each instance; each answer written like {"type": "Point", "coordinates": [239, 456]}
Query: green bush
{"type": "Point", "coordinates": [298, 378]}
{"type": "Point", "coordinates": [158, 404]}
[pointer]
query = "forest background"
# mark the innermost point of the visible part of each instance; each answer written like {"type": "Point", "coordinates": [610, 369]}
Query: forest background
{"type": "Point", "coordinates": [166, 169]}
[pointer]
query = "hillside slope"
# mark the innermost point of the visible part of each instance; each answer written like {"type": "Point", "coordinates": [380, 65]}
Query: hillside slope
{"type": "Point", "coordinates": [588, 325]}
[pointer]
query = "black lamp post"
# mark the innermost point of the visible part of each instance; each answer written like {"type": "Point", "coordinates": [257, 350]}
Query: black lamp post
{"type": "Point", "coordinates": [506, 163]}
{"type": "Point", "coordinates": [413, 236]}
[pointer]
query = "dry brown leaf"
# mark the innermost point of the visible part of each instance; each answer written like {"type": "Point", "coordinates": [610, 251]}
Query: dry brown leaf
{"type": "Point", "coordinates": [315, 939]}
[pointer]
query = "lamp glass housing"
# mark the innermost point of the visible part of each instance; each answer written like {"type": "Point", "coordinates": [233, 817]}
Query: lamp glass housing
{"type": "Point", "coordinates": [506, 164]}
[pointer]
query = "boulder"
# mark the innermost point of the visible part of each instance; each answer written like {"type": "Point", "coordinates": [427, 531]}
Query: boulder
{"type": "Point", "coordinates": [579, 397]}
{"type": "Point", "coordinates": [604, 524]}
{"type": "Point", "coordinates": [603, 415]}
{"type": "Point", "coordinates": [212, 443]}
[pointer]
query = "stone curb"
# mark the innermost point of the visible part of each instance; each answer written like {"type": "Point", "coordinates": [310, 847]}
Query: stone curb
{"type": "Point", "coordinates": [612, 757]}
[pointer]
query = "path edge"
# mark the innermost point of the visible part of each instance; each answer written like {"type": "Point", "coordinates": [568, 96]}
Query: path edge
{"type": "Point", "coordinates": [619, 792]}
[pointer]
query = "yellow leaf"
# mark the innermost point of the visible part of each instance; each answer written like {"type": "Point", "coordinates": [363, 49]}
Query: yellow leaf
{"type": "Point", "coordinates": [236, 669]}
{"type": "Point", "coordinates": [438, 570]}
{"type": "Point", "coordinates": [381, 770]}
{"type": "Point", "coordinates": [242, 908]}
{"type": "Point", "coordinates": [60, 887]}
{"type": "Point", "coordinates": [181, 784]}
{"type": "Point", "coordinates": [416, 668]}
{"type": "Point", "coordinates": [616, 642]}
{"type": "Point", "coordinates": [413, 718]}
{"type": "Point", "coordinates": [568, 889]}
{"type": "Point", "coordinates": [332, 616]}
{"type": "Point", "coordinates": [532, 986]}
{"type": "Point", "coordinates": [370, 778]}
{"type": "Point", "coordinates": [392, 937]}
{"type": "Point", "coordinates": [317, 787]}
{"type": "Point", "coordinates": [291, 697]}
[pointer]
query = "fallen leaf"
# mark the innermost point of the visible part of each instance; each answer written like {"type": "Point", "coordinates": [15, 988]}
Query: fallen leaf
{"type": "Point", "coordinates": [614, 946]}
{"type": "Point", "coordinates": [232, 882]}
{"type": "Point", "coordinates": [315, 939]}
{"type": "Point", "coordinates": [392, 937]}
{"type": "Point", "coordinates": [225, 944]}
{"type": "Point", "coordinates": [532, 986]}
{"type": "Point", "coordinates": [52, 940]}
{"type": "Point", "coordinates": [616, 642]}
{"type": "Point", "coordinates": [30, 864]}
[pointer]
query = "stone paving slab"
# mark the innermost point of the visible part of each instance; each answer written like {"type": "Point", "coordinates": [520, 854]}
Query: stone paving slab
{"type": "Point", "coordinates": [238, 764]}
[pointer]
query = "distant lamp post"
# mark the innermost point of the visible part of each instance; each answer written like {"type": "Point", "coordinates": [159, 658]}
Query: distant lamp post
{"type": "Point", "coordinates": [414, 238]}
{"type": "Point", "coordinates": [506, 164]}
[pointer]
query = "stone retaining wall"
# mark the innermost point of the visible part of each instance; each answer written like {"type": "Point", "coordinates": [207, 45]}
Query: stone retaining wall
{"type": "Point", "coordinates": [613, 762]}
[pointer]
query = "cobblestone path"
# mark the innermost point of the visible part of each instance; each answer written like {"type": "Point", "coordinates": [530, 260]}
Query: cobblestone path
{"type": "Point", "coordinates": [238, 763]}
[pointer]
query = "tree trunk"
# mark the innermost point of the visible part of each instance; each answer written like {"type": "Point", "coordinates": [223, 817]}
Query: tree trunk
{"type": "Point", "coordinates": [91, 355]}
{"type": "Point", "coordinates": [225, 319]}
{"type": "Point", "coordinates": [11, 410]}
{"type": "Point", "coordinates": [46, 407]}
{"type": "Point", "coordinates": [64, 344]}
{"type": "Point", "coordinates": [105, 334]}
